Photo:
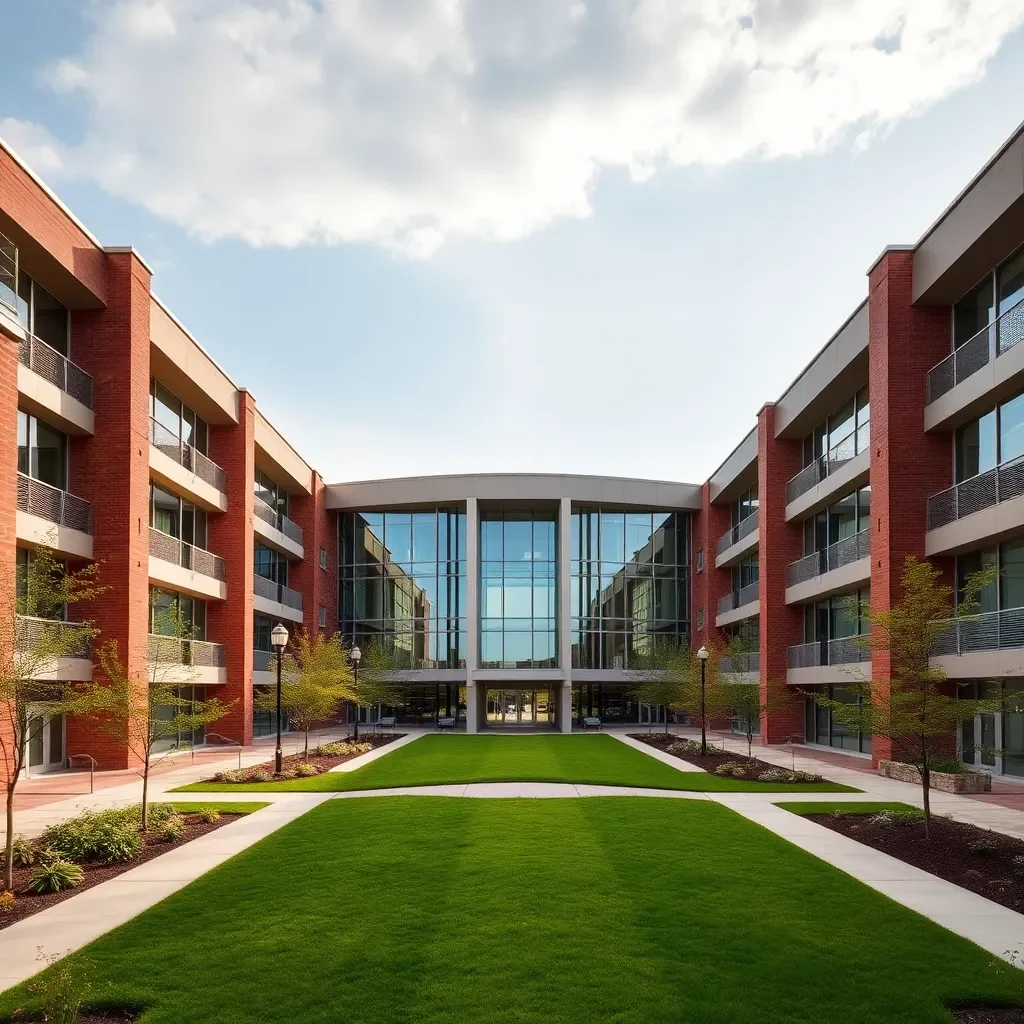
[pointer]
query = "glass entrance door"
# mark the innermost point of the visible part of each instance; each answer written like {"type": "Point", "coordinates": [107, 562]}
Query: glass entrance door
{"type": "Point", "coordinates": [518, 707]}
{"type": "Point", "coordinates": [45, 742]}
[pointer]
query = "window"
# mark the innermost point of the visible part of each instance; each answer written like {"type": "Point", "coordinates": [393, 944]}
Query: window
{"type": "Point", "coordinates": [836, 617]}
{"type": "Point", "coordinates": [42, 451]}
{"type": "Point", "coordinates": [261, 627]}
{"type": "Point", "coordinates": [745, 573]}
{"type": "Point", "coordinates": [271, 493]}
{"type": "Point", "coordinates": [994, 438]}
{"type": "Point", "coordinates": [270, 564]}
{"type": "Point", "coordinates": [168, 609]}
{"type": "Point", "coordinates": [177, 419]}
{"type": "Point", "coordinates": [846, 433]}
{"type": "Point", "coordinates": [322, 618]}
{"type": "Point", "coordinates": [176, 517]}
{"type": "Point", "coordinates": [1006, 592]}
{"type": "Point", "coordinates": [28, 604]}
{"type": "Point", "coordinates": [987, 302]}
{"type": "Point", "coordinates": [323, 558]}
{"type": "Point", "coordinates": [844, 518]}
{"type": "Point", "coordinates": [43, 316]}
{"type": "Point", "coordinates": [744, 506]}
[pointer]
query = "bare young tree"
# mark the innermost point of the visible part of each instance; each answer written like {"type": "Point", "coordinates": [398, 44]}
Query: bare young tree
{"type": "Point", "coordinates": [34, 638]}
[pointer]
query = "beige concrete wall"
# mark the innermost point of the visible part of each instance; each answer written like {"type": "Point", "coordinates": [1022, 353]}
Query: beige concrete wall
{"type": "Point", "coordinates": [278, 459]}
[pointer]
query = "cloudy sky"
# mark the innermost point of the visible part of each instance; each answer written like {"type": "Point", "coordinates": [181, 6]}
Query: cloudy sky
{"type": "Point", "coordinates": [555, 235]}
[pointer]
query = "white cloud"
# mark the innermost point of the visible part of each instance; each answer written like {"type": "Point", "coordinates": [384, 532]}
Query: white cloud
{"type": "Point", "coordinates": [408, 122]}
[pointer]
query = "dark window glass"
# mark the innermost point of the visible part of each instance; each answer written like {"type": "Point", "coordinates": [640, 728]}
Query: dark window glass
{"type": "Point", "coordinates": [1011, 282]}
{"type": "Point", "coordinates": [975, 311]}
{"type": "Point", "coordinates": [1011, 580]}
{"type": "Point", "coordinates": [50, 320]}
{"type": "Point", "coordinates": [42, 451]}
{"type": "Point", "coordinates": [165, 511]}
{"type": "Point", "coordinates": [976, 447]}
{"type": "Point", "coordinates": [1011, 429]}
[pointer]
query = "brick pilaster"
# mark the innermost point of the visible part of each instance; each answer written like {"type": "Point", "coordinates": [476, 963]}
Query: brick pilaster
{"type": "Point", "coordinates": [230, 622]}
{"type": "Point", "coordinates": [907, 465]}
{"type": "Point", "coordinates": [781, 626]}
{"type": "Point", "coordinates": [111, 470]}
{"type": "Point", "coordinates": [317, 585]}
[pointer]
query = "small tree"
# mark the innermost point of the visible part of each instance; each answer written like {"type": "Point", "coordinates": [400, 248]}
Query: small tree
{"type": "Point", "coordinates": [316, 680]}
{"type": "Point", "coordinates": [748, 702]}
{"type": "Point", "coordinates": [139, 714]}
{"type": "Point", "coordinates": [32, 642]}
{"type": "Point", "coordinates": [913, 708]}
{"type": "Point", "coordinates": [380, 676]}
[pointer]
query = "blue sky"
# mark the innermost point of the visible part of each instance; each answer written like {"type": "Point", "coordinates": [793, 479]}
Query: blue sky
{"type": "Point", "coordinates": [466, 236]}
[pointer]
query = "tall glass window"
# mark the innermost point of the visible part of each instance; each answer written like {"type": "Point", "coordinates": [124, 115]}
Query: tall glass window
{"type": "Point", "coordinates": [988, 301]}
{"type": "Point", "coordinates": [270, 564]}
{"type": "Point", "coordinates": [629, 585]}
{"type": "Point", "coordinates": [403, 584]}
{"type": "Point", "coordinates": [745, 505]}
{"type": "Point", "coordinates": [42, 451]}
{"type": "Point", "coordinates": [177, 419]}
{"type": "Point", "coordinates": [518, 592]}
{"type": "Point", "coordinates": [992, 439]}
{"type": "Point", "coordinates": [42, 315]}
{"type": "Point", "coordinates": [271, 493]}
{"type": "Point", "coordinates": [846, 433]}
{"type": "Point", "coordinates": [176, 517]}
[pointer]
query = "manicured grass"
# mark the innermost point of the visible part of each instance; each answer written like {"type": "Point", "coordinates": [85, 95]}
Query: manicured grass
{"type": "Point", "coordinates": [387, 911]}
{"type": "Point", "coordinates": [853, 807]}
{"type": "Point", "coordinates": [590, 760]}
{"type": "Point", "coordinates": [224, 806]}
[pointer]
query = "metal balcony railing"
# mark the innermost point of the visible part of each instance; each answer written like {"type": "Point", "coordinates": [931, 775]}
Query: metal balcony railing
{"type": "Point", "coordinates": [743, 529]}
{"type": "Point", "coordinates": [263, 661]}
{"type": "Point", "coordinates": [8, 274]}
{"type": "Point", "coordinates": [49, 364]}
{"type": "Point", "coordinates": [739, 598]}
{"type": "Point", "coordinates": [987, 345]}
{"type": "Point", "coordinates": [843, 552]}
{"type": "Point", "coordinates": [172, 650]}
{"type": "Point", "coordinates": [838, 455]}
{"type": "Point", "coordinates": [278, 521]}
{"type": "Point", "coordinates": [39, 499]}
{"type": "Point", "coordinates": [186, 456]}
{"type": "Point", "coordinates": [747, 663]}
{"type": "Point", "coordinates": [989, 631]}
{"type": "Point", "coordinates": [979, 492]}
{"type": "Point", "coordinates": [188, 556]}
{"type": "Point", "coordinates": [32, 630]}
{"type": "Point", "coordinates": [262, 587]}
{"type": "Point", "coordinates": [847, 650]}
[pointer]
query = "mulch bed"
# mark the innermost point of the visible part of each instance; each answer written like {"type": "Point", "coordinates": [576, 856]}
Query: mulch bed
{"type": "Point", "coordinates": [946, 854]}
{"type": "Point", "coordinates": [322, 762]}
{"type": "Point", "coordinates": [28, 903]}
{"type": "Point", "coordinates": [715, 755]}
{"type": "Point", "coordinates": [988, 1014]}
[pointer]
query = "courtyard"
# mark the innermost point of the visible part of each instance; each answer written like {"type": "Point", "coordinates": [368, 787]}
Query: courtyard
{"type": "Point", "coordinates": [604, 908]}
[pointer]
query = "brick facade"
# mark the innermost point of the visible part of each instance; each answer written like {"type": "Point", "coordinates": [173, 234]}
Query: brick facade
{"type": "Point", "coordinates": [780, 543]}
{"type": "Point", "coordinates": [710, 585]}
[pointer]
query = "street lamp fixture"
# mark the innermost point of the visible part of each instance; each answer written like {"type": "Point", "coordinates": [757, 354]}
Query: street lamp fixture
{"type": "Point", "coordinates": [356, 655]}
{"type": "Point", "coordinates": [279, 641]}
{"type": "Point", "coordinates": [702, 657]}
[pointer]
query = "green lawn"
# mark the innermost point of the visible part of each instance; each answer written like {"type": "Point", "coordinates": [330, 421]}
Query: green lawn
{"type": "Point", "coordinates": [224, 806]}
{"type": "Point", "coordinates": [853, 807]}
{"type": "Point", "coordinates": [443, 911]}
{"type": "Point", "coordinates": [593, 760]}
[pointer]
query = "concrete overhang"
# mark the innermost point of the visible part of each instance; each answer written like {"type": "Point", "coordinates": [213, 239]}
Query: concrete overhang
{"type": "Point", "coordinates": [35, 531]}
{"type": "Point", "coordinates": [275, 609]}
{"type": "Point", "coordinates": [737, 473]}
{"type": "Point", "coordinates": [166, 471]}
{"type": "Point", "coordinates": [426, 491]}
{"type": "Point", "coordinates": [738, 551]}
{"type": "Point", "coordinates": [836, 675]}
{"type": "Point", "coordinates": [745, 611]}
{"type": "Point", "coordinates": [276, 539]}
{"type": "Point", "coordinates": [835, 374]}
{"type": "Point", "coordinates": [67, 670]}
{"type": "Point", "coordinates": [278, 459]}
{"type": "Point", "coordinates": [1009, 661]}
{"type": "Point", "coordinates": [188, 582]}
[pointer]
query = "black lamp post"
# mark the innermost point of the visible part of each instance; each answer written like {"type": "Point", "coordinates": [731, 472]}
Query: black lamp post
{"type": "Point", "coordinates": [355, 655]}
{"type": "Point", "coordinates": [702, 656]}
{"type": "Point", "coordinates": [279, 641]}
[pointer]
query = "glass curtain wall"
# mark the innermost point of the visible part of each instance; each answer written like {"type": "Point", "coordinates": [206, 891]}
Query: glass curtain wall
{"type": "Point", "coordinates": [518, 591]}
{"type": "Point", "coordinates": [822, 728]}
{"type": "Point", "coordinates": [988, 300]}
{"type": "Point", "coordinates": [403, 584]}
{"type": "Point", "coordinates": [629, 585]}
{"type": "Point", "coordinates": [994, 438]}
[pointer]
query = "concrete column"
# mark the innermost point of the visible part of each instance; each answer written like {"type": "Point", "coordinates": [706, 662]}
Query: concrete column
{"type": "Point", "coordinates": [564, 591]}
{"type": "Point", "coordinates": [472, 614]}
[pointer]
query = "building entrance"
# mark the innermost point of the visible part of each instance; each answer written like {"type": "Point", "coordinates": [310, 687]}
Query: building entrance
{"type": "Point", "coordinates": [518, 707]}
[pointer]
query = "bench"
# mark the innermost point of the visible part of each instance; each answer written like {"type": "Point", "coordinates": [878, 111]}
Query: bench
{"type": "Point", "coordinates": [446, 723]}
{"type": "Point", "coordinates": [386, 723]}
{"type": "Point", "coordinates": [591, 723]}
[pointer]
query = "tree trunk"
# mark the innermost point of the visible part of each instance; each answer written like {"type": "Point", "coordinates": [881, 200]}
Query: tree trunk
{"type": "Point", "coordinates": [145, 793]}
{"type": "Point", "coordinates": [9, 848]}
{"type": "Point", "coordinates": [750, 746]}
{"type": "Point", "coordinates": [305, 756]}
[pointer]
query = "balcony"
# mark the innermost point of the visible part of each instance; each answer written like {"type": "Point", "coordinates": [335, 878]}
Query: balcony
{"type": "Point", "coordinates": [264, 668]}
{"type": "Point", "coordinates": [738, 542]}
{"type": "Point", "coordinates": [53, 518]}
{"type": "Point", "coordinates": [188, 471]}
{"type": "Point", "coordinates": [844, 660]}
{"type": "Point", "coordinates": [75, 666]}
{"type": "Point", "coordinates": [843, 467]}
{"type": "Point", "coordinates": [185, 567]}
{"type": "Point", "coordinates": [841, 566]}
{"type": "Point", "coordinates": [173, 661]}
{"type": "Point", "coordinates": [276, 600]}
{"type": "Point", "coordinates": [748, 664]}
{"type": "Point", "coordinates": [740, 604]}
{"type": "Point", "coordinates": [50, 384]}
{"type": "Point", "coordinates": [985, 347]}
{"type": "Point", "coordinates": [276, 529]}
{"type": "Point", "coordinates": [985, 646]}
{"type": "Point", "coordinates": [985, 506]}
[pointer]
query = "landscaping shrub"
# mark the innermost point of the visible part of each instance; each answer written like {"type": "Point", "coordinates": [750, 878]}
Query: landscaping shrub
{"type": "Point", "coordinates": [173, 829]}
{"type": "Point", "coordinates": [108, 836]}
{"type": "Point", "coordinates": [62, 988]}
{"type": "Point", "coordinates": [244, 775]}
{"type": "Point", "coordinates": [7, 902]}
{"type": "Point", "coordinates": [259, 775]}
{"type": "Point", "coordinates": [342, 749]}
{"type": "Point", "coordinates": [948, 765]}
{"type": "Point", "coordinates": [24, 852]}
{"type": "Point", "coordinates": [55, 876]}
{"type": "Point", "coordinates": [305, 770]}
{"type": "Point", "coordinates": [737, 769]}
{"type": "Point", "coordinates": [209, 814]}
{"type": "Point", "coordinates": [684, 747]}
{"type": "Point", "coordinates": [1018, 865]}
{"type": "Point", "coordinates": [983, 848]}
